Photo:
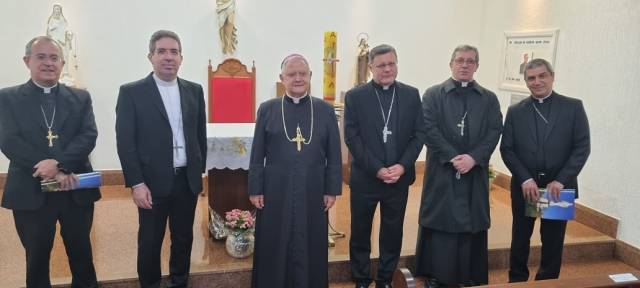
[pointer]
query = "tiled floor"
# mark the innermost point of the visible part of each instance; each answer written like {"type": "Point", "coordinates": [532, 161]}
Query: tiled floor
{"type": "Point", "coordinates": [115, 229]}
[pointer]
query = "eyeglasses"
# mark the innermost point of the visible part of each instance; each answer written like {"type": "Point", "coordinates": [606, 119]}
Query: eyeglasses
{"type": "Point", "coordinates": [461, 61]}
{"type": "Point", "coordinates": [383, 66]}
{"type": "Point", "coordinates": [43, 57]}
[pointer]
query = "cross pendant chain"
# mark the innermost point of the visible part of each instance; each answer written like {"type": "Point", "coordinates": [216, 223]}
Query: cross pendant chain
{"type": "Point", "coordinates": [385, 132]}
{"type": "Point", "coordinates": [298, 139]}
{"type": "Point", "coordinates": [461, 124]}
{"type": "Point", "coordinates": [50, 137]}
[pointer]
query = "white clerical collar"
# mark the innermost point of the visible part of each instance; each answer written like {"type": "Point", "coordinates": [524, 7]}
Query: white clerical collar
{"type": "Point", "coordinates": [541, 100]}
{"type": "Point", "coordinates": [46, 90]}
{"type": "Point", "coordinates": [464, 84]}
{"type": "Point", "coordinates": [297, 99]}
{"type": "Point", "coordinates": [161, 82]}
{"type": "Point", "coordinates": [385, 87]}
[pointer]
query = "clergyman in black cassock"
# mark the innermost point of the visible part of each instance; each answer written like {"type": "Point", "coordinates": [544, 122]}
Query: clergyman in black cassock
{"type": "Point", "coordinates": [47, 131]}
{"type": "Point", "coordinates": [385, 134]}
{"type": "Point", "coordinates": [464, 123]}
{"type": "Point", "coordinates": [294, 178]}
{"type": "Point", "coordinates": [545, 145]}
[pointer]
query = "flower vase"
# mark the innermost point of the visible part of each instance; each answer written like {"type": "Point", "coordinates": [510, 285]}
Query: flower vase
{"type": "Point", "coordinates": [240, 243]}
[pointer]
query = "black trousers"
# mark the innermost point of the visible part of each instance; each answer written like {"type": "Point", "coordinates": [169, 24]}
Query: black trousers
{"type": "Point", "coordinates": [393, 203]}
{"type": "Point", "coordinates": [37, 229]}
{"type": "Point", "coordinates": [552, 235]}
{"type": "Point", "coordinates": [179, 208]}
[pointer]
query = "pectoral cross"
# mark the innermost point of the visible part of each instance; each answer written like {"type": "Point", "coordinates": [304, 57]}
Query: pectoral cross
{"type": "Point", "coordinates": [461, 125]}
{"type": "Point", "coordinates": [50, 137]}
{"type": "Point", "coordinates": [177, 148]}
{"type": "Point", "coordinates": [385, 132]}
{"type": "Point", "coordinates": [299, 139]}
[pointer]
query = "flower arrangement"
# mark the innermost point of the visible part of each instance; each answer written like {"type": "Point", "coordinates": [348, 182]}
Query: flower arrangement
{"type": "Point", "coordinates": [239, 220]}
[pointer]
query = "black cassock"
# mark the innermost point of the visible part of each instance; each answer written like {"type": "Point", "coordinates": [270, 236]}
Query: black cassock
{"type": "Point", "coordinates": [291, 229]}
{"type": "Point", "coordinates": [454, 213]}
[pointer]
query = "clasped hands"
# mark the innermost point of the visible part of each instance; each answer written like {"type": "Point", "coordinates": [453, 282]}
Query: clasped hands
{"type": "Point", "coordinates": [463, 163]}
{"type": "Point", "coordinates": [48, 170]}
{"type": "Point", "coordinates": [531, 192]}
{"type": "Point", "coordinates": [390, 174]}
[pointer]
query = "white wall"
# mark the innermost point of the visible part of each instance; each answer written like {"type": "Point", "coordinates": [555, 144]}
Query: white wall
{"type": "Point", "coordinates": [597, 61]}
{"type": "Point", "coordinates": [113, 35]}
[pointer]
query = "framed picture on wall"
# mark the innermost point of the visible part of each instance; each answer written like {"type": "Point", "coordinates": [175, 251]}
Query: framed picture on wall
{"type": "Point", "coordinates": [519, 48]}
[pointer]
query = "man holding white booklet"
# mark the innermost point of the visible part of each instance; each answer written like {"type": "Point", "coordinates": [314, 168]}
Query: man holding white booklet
{"type": "Point", "coordinates": [545, 144]}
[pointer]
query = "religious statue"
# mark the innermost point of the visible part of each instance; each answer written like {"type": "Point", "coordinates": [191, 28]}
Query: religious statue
{"type": "Point", "coordinates": [362, 69]}
{"type": "Point", "coordinates": [57, 29]}
{"type": "Point", "coordinates": [226, 10]}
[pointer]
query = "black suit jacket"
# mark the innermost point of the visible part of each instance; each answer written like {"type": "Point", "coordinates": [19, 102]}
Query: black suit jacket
{"type": "Point", "coordinates": [22, 140]}
{"type": "Point", "coordinates": [145, 139]}
{"type": "Point", "coordinates": [566, 143]}
{"type": "Point", "coordinates": [363, 132]}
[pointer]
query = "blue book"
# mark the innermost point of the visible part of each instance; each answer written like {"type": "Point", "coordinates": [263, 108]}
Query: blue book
{"type": "Point", "coordinates": [85, 180]}
{"type": "Point", "coordinates": [545, 207]}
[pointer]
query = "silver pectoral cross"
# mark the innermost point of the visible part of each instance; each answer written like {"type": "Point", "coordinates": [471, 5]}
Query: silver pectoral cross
{"type": "Point", "coordinates": [461, 125]}
{"type": "Point", "coordinates": [385, 132]}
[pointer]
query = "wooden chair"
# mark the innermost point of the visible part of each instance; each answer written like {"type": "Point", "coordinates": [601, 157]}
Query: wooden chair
{"type": "Point", "coordinates": [232, 92]}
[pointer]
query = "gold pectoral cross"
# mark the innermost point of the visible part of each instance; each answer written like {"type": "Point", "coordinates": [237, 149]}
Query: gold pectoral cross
{"type": "Point", "coordinates": [299, 139]}
{"type": "Point", "coordinates": [50, 137]}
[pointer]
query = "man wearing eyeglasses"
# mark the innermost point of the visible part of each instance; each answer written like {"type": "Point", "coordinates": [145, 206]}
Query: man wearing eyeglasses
{"type": "Point", "coordinates": [463, 123]}
{"type": "Point", "coordinates": [47, 131]}
{"type": "Point", "coordinates": [385, 134]}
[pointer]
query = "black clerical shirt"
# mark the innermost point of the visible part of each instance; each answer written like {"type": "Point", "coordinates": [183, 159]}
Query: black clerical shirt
{"type": "Point", "coordinates": [385, 97]}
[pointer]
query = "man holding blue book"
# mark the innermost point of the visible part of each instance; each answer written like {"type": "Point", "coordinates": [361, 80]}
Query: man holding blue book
{"type": "Point", "coordinates": [47, 131]}
{"type": "Point", "coordinates": [545, 144]}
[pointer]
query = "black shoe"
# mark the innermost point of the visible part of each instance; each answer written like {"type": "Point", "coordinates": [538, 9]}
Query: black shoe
{"type": "Point", "coordinates": [433, 283]}
{"type": "Point", "coordinates": [362, 285]}
{"type": "Point", "coordinates": [383, 285]}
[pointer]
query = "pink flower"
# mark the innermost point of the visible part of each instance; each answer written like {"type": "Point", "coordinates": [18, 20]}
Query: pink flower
{"type": "Point", "coordinates": [239, 219]}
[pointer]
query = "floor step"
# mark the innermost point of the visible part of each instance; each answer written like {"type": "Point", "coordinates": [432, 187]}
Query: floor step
{"type": "Point", "coordinates": [569, 271]}
{"type": "Point", "coordinates": [578, 258]}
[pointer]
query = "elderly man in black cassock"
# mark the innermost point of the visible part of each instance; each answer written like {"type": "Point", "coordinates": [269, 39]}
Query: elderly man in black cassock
{"type": "Point", "coordinates": [464, 123]}
{"type": "Point", "coordinates": [294, 178]}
